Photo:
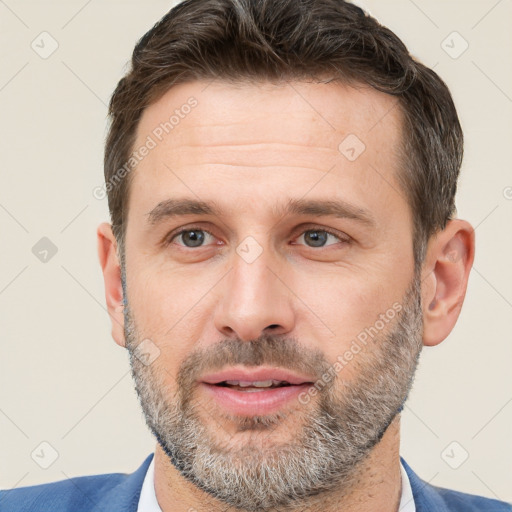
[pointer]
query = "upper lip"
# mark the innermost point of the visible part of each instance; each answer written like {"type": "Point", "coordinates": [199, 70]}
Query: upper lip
{"type": "Point", "coordinates": [255, 375]}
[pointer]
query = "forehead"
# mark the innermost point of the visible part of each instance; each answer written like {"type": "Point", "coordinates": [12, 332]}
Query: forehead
{"type": "Point", "coordinates": [214, 136]}
{"type": "Point", "coordinates": [304, 113]}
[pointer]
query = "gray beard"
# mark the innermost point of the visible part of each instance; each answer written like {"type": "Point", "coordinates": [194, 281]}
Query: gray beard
{"type": "Point", "coordinates": [333, 434]}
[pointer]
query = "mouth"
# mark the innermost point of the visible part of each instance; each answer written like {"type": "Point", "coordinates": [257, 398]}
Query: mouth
{"type": "Point", "coordinates": [250, 392]}
{"type": "Point", "coordinates": [253, 386]}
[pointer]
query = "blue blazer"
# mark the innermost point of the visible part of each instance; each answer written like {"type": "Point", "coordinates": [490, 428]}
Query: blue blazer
{"type": "Point", "coordinates": [118, 492]}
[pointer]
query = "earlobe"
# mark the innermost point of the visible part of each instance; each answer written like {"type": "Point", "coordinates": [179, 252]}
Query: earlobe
{"type": "Point", "coordinates": [109, 261]}
{"type": "Point", "coordinates": [448, 263]}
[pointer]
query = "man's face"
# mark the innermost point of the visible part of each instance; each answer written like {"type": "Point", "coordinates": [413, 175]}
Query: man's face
{"type": "Point", "coordinates": [255, 294]}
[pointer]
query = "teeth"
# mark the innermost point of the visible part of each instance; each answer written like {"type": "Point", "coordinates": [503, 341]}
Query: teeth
{"type": "Point", "coordinates": [263, 383]}
{"type": "Point", "coordinates": [254, 384]}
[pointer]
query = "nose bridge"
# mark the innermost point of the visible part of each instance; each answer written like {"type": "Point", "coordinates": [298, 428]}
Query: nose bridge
{"type": "Point", "coordinates": [254, 298]}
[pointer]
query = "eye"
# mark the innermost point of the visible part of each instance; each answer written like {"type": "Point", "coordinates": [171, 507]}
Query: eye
{"type": "Point", "coordinates": [194, 237]}
{"type": "Point", "coordinates": [320, 237]}
{"type": "Point", "coordinates": [191, 237]}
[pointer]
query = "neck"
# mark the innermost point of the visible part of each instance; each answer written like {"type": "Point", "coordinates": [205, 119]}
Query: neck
{"type": "Point", "coordinates": [377, 485]}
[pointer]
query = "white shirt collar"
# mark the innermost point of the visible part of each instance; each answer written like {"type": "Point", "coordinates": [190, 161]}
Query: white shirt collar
{"type": "Point", "coordinates": [149, 503]}
{"type": "Point", "coordinates": [147, 500]}
{"type": "Point", "coordinates": [407, 500]}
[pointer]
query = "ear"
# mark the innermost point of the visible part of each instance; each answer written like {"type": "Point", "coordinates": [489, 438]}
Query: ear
{"type": "Point", "coordinates": [109, 261]}
{"type": "Point", "coordinates": [446, 269]}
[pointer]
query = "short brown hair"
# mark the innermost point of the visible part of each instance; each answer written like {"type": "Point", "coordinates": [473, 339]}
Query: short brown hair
{"type": "Point", "coordinates": [278, 40]}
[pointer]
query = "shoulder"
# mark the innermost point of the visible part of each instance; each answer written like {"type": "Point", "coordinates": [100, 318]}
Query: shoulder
{"type": "Point", "coordinates": [470, 503]}
{"type": "Point", "coordinates": [428, 497]}
{"type": "Point", "coordinates": [76, 494]}
{"type": "Point", "coordinates": [79, 494]}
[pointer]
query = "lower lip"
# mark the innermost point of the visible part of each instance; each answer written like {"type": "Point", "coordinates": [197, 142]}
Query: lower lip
{"type": "Point", "coordinates": [255, 403]}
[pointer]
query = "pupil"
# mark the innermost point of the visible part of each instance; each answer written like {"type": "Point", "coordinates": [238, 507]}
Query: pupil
{"type": "Point", "coordinates": [318, 238]}
{"type": "Point", "coordinates": [194, 237]}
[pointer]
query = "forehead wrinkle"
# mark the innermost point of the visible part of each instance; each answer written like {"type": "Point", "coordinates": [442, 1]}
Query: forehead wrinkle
{"type": "Point", "coordinates": [252, 144]}
{"type": "Point", "coordinates": [238, 136]}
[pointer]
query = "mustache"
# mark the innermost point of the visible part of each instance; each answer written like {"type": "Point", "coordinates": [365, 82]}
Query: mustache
{"type": "Point", "coordinates": [268, 350]}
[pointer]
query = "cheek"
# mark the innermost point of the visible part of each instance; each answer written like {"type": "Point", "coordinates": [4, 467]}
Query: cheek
{"type": "Point", "coordinates": [165, 310]}
{"type": "Point", "coordinates": [163, 296]}
{"type": "Point", "coordinates": [346, 305]}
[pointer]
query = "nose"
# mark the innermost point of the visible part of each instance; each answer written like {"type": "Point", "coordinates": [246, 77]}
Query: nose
{"type": "Point", "coordinates": [254, 300]}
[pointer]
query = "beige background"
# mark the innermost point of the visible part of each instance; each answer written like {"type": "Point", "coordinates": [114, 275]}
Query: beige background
{"type": "Point", "coordinates": [63, 380]}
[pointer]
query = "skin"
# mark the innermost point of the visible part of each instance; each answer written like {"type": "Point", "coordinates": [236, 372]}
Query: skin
{"type": "Point", "coordinates": [250, 148]}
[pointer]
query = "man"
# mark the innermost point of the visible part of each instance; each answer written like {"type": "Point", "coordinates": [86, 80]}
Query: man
{"type": "Point", "coordinates": [281, 178]}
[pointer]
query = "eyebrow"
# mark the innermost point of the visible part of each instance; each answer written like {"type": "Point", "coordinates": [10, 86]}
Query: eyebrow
{"type": "Point", "coordinates": [170, 208]}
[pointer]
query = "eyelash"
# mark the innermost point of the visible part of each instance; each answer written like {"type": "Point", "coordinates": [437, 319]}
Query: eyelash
{"type": "Point", "coordinates": [343, 239]}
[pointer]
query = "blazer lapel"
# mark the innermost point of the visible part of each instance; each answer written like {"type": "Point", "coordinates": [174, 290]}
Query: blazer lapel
{"type": "Point", "coordinates": [426, 498]}
{"type": "Point", "coordinates": [124, 497]}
